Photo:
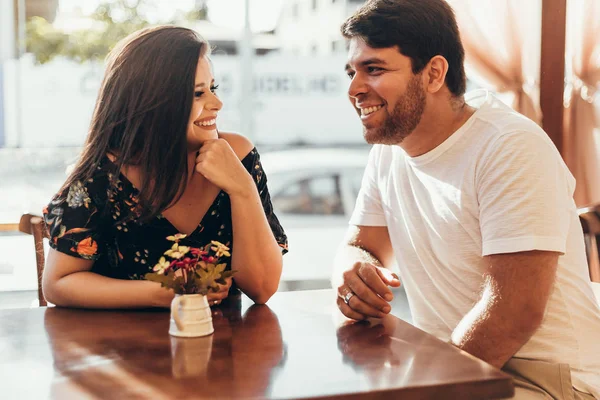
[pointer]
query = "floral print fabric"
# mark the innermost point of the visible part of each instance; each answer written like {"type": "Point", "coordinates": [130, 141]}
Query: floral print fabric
{"type": "Point", "coordinates": [99, 220]}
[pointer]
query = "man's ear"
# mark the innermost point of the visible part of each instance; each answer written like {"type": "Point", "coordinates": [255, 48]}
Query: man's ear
{"type": "Point", "coordinates": [435, 74]}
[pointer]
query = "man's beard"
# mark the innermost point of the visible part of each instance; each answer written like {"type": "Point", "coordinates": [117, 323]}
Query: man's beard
{"type": "Point", "coordinates": [404, 118]}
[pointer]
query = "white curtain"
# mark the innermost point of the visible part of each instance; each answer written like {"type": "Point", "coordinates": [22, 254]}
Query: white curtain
{"type": "Point", "coordinates": [582, 122]}
{"type": "Point", "coordinates": [502, 47]}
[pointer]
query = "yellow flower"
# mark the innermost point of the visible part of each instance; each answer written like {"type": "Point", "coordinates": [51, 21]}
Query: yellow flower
{"type": "Point", "coordinates": [162, 265]}
{"type": "Point", "coordinates": [222, 253]}
{"type": "Point", "coordinates": [214, 242]}
{"type": "Point", "coordinates": [177, 251]}
{"type": "Point", "coordinates": [176, 237]}
{"type": "Point", "coordinates": [220, 249]}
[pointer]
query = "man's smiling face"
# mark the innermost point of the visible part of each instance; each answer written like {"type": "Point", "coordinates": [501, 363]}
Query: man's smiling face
{"type": "Point", "coordinates": [387, 96]}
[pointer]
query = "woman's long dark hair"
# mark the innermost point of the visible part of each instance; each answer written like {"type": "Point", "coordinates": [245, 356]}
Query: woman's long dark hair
{"type": "Point", "coordinates": [142, 113]}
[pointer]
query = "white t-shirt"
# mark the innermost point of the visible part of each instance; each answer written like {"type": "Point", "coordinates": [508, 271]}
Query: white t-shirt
{"type": "Point", "coordinates": [497, 185]}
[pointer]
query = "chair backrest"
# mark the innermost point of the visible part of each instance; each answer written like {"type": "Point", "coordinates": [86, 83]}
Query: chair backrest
{"type": "Point", "coordinates": [590, 222]}
{"type": "Point", "coordinates": [35, 225]}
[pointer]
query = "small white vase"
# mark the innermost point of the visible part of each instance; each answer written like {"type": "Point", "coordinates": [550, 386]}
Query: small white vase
{"type": "Point", "coordinates": [190, 316]}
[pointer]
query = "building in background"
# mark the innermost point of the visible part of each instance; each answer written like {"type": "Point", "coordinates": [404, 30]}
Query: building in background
{"type": "Point", "coordinates": [226, 41]}
{"type": "Point", "coordinates": [312, 27]}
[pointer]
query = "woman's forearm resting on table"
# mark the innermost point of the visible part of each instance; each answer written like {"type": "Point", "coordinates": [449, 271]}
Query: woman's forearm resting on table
{"type": "Point", "coordinates": [87, 289]}
{"type": "Point", "coordinates": [257, 257]}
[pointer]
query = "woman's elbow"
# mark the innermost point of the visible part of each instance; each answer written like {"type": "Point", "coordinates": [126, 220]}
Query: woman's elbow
{"type": "Point", "coordinates": [266, 293]}
{"type": "Point", "coordinates": [49, 292]}
{"type": "Point", "coordinates": [262, 291]}
{"type": "Point", "coordinates": [267, 288]}
{"type": "Point", "coordinates": [52, 293]}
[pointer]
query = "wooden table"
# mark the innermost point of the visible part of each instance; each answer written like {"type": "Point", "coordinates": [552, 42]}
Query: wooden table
{"type": "Point", "coordinates": [293, 348]}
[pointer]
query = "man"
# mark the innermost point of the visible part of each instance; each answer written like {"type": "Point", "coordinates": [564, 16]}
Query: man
{"type": "Point", "coordinates": [474, 204]}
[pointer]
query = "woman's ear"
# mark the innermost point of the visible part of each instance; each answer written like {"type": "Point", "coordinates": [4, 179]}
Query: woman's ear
{"type": "Point", "coordinates": [435, 74]}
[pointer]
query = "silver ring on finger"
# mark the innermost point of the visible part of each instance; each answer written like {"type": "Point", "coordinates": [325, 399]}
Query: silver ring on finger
{"type": "Point", "coordinates": [348, 296]}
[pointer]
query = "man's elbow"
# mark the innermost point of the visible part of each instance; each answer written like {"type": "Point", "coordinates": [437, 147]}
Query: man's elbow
{"type": "Point", "coordinates": [529, 319]}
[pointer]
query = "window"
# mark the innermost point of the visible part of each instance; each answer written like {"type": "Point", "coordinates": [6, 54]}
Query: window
{"type": "Point", "coordinates": [319, 195]}
{"type": "Point", "coordinates": [355, 179]}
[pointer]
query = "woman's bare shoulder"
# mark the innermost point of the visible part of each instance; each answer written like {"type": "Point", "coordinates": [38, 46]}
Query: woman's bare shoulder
{"type": "Point", "coordinates": [239, 143]}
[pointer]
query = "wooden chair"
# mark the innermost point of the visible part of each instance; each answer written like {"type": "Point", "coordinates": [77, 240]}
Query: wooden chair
{"type": "Point", "coordinates": [34, 225]}
{"type": "Point", "coordinates": [590, 222]}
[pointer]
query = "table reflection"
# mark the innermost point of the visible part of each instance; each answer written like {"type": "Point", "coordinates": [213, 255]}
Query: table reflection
{"type": "Point", "coordinates": [249, 350]}
{"type": "Point", "coordinates": [121, 350]}
{"type": "Point", "coordinates": [374, 348]}
{"type": "Point", "coordinates": [133, 353]}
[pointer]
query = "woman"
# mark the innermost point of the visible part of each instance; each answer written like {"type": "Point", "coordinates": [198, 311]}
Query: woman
{"type": "Point", "coordinates": [155, 165]}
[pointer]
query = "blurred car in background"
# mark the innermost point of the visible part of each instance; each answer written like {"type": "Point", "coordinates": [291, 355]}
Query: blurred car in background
{"type": "Point", "coordinates": [313, 191]}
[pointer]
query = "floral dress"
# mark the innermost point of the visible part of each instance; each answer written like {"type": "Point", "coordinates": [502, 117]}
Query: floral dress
{"type": "Point", "coordinates": [98, 220]}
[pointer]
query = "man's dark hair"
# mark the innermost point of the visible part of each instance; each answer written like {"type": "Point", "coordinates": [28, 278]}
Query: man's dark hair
{"type": "Point", "coordinates": [421, 29]}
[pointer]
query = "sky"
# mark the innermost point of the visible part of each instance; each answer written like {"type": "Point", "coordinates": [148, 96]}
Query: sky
{"type": "Point", "coordinates": [227, 13]}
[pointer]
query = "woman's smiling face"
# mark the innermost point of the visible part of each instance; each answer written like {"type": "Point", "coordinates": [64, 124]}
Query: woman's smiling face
{"type": "Point", "coordinates": [205, 107]}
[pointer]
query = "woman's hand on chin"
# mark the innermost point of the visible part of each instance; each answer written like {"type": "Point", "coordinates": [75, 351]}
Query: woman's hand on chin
{"type": "Point", "coordinates": [218, 163]}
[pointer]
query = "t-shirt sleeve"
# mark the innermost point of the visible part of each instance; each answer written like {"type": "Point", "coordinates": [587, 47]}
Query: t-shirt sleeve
{"type": "Point", "coordinates": [525, 196]}
{"type": "Point", "coordinates": [73, 219]}
{"type": "Point", "coordinates": [253, 165]}
{"type": "Point", "coordinates": [368, 210]}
